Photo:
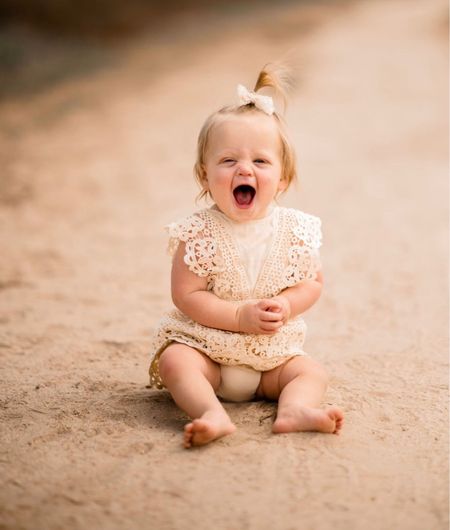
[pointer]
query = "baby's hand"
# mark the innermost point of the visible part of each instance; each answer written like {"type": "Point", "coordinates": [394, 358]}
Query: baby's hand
{"type": "Point", "coordinates": [280, 304]}
{"type": "Point", "coordinates": [264, 317]}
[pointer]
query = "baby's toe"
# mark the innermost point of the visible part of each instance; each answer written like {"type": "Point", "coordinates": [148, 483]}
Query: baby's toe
{"type": "Point", "coordinates": [188, 434]}
{"type": "Point", "coordinates": [336, 414]}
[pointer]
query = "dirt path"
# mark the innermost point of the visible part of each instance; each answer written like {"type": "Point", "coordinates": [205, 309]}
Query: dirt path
{"type": "Point", "coordinates": [91, 171]}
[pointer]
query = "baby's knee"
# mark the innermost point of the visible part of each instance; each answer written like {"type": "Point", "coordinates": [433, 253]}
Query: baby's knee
{"type": "Point", "coordinates": [170, 364]}
{"type": "Point", "coordinates": [313, 369]}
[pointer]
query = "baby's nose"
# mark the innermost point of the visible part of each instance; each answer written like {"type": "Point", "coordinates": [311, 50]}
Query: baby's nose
{"type": "Point", "coordinates": [244, 169]}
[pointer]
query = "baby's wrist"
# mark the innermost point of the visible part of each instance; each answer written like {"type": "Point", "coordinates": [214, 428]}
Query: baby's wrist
{"type": "Point", "coordinates": [284, 300]}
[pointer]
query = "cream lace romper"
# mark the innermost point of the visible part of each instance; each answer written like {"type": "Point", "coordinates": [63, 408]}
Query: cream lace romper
{"type": "Point", "coordinates": [242, 262]}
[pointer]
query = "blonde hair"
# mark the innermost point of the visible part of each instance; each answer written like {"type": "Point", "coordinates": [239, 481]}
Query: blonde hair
{"type": "Point", "coordinates": [271, 76]}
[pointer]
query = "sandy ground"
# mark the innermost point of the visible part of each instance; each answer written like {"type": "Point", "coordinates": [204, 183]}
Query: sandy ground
{"type": "Point", "coordinates": [93, 167]}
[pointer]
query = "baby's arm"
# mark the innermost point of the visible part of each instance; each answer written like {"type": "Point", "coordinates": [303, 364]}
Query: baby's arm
{"type": "Point", "coordinates": [299, 298]}
{"type": "Point", "coordinates": [190, 295]}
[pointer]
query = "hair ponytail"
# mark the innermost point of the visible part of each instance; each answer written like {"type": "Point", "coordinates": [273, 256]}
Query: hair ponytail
{"type": "Point", "coordinates": [277, 77]}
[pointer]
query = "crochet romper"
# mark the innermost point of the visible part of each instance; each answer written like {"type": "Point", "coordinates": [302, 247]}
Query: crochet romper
{"type": "Point", "coordinates": [212, 252]}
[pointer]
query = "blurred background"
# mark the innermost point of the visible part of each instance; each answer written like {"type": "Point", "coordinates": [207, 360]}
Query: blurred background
{"type": "Point", "coordinates": [45, 41]}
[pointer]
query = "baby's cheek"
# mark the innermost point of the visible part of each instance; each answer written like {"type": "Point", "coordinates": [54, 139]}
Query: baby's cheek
{"type": "Point", "coordinates": [269, 184]}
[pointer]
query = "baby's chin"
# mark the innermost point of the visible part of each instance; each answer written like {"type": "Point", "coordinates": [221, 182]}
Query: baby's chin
{"type": "Point", "coordinates": [244, 214]}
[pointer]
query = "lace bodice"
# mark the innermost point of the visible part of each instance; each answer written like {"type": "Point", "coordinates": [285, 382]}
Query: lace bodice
{"type": "Point", "coordinates": [213, 252]}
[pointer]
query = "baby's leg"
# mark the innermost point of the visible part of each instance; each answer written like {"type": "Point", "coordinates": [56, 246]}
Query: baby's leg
{"type": "Point", "coordinates": [192, 379]}
{"type": "Point", "coordinates": [299, 385]}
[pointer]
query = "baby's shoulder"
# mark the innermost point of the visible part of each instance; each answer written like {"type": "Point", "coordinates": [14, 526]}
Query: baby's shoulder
{"type": "Point", "coordinates": [304, 226]}
{"type": "Point", "coordinates": [197, 227]}
{"type": "Point", "coordinates": [298, 216]}
{"type": "Point", "coordinates": [187, 227]}
{"type": "Point", "coordinates": [196, 232]}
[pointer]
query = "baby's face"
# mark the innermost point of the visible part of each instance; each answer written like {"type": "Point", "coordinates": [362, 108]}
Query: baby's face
{"type": "Point", "coordinates": [243, 165]}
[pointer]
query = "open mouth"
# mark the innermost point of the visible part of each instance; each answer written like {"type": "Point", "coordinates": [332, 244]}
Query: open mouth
{"type": "Point", "coordinates": [244, 195]}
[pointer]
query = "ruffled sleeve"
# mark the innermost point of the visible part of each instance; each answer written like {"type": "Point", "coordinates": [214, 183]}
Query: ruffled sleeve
{"type": "Point", "coordinates": [303, 253]}
{"type": "Point", "coordinates": [201, 250]}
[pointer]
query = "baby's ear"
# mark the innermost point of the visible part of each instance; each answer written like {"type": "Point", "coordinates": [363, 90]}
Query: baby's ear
{"type": "Point", "coordinates": [204, 177]}
{"type": "Point", "coordinates": [283, 184]}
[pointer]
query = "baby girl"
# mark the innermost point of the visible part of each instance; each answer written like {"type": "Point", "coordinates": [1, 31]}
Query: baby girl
{"type": "Point", "coordinates": [243, 273]}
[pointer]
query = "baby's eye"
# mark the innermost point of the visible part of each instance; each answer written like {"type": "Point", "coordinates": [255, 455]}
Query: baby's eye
{"type": "Point", "coordinates": [227, 160]}
{"type": "Point", "coordinates": [260, 161]}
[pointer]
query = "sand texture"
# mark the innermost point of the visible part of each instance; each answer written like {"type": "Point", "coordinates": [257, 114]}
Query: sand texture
{"type": "Point", "coordinates": [93, 167]}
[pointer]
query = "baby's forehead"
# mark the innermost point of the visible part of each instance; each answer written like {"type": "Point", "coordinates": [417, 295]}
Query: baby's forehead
{"type": "Point", "coordinates": [255, 124]}
{"type": "Point", "coordinates": [245, 119]}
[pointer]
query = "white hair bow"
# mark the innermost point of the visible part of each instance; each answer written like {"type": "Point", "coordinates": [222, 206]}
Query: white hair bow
{"type": "Point", "coordinates": [264, 103]}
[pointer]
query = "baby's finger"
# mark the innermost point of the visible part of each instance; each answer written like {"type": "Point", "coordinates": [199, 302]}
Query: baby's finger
{"type": "Point", "coordinates": [270, 316]}
{"type": "Point", "coordinates": [270, 332]}
{"type": "Point", "coordinates": [275, 306]}
{"type": "Point", "coordinates": [267, 304]}
{"type": "Point", "coordinates": [271, 326]}
{"type": "Point", "coordinates": [263, 305]}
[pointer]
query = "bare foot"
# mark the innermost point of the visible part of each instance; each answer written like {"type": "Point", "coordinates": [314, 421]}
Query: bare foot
{"type": "Point", "coordinates": [297, 419]}
{"type": "Point", "coordinates": [209, 427]}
